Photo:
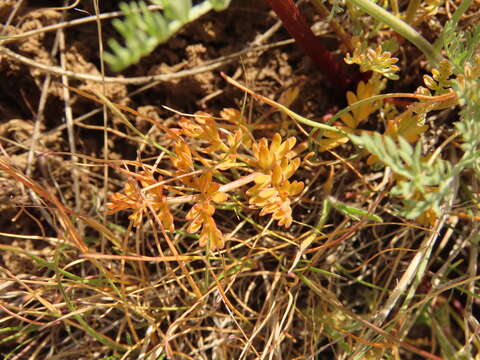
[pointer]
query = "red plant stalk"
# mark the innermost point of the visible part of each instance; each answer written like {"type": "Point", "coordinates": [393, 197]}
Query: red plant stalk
{"type": "Point", "coordinates": [298, 28]}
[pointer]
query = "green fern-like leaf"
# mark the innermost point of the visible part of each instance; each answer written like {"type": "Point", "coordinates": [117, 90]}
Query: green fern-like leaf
{"type": "Point", "coordinates": [460, 46]}
{"type": "Point", "coordinates": [469, 124]}
{"type": "Point", "coordinates": [424, 184]}
{"type": "Point", "coordinates": [143, 30]}
{"type": "Point", "coordinates": [177, 9]}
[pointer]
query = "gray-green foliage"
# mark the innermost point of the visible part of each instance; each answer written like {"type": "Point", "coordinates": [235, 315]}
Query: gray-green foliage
{"type": "Point", "coordinates": [143, 30]}
{"type": "Point", "coordinates": [426, 183]}
{"type": "Point", "coordinates": [463, 50]}
{"type": "Point", "coordinates": [469, 125]}
{"type": "Point", "coordinates": [430, 178]}
{"type": "Point", "coordinates": [460, 46]}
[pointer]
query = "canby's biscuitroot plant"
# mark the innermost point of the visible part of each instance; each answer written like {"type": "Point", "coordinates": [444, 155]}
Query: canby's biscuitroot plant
{"type": "Point", "coordinates": [270, 224]}
{"type": "Point", "coordinates": [221, 154]}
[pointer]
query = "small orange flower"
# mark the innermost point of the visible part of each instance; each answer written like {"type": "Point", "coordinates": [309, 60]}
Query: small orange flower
{"type": "Point", "coordinates": [201, 214]}
{"type": "Point", "coordinates": [272, 190]}
{"type": "Point", "coordinates": [133, 197]}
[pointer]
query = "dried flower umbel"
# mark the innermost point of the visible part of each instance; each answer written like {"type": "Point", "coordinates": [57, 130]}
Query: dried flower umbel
{"type": "Point", "coordinates": [270, 166]}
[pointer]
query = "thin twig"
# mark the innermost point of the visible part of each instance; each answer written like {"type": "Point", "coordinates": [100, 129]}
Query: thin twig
{"type": "Point", "coordinates": [105, 116]}
{"type": "Point", "coordinates": [18, 5]}
{"type": "Point", "coordinates": [415, 268]}
{"type": "Point", "coordinates": [209, 66]}
{"type": "Point", "coordinates": [66, 24]}
{"type": "Point", "coordinates": [69, 120]}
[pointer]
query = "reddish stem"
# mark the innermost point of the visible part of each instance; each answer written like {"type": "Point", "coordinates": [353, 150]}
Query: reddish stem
{"type": "Point", "coordinates": [298, 28]}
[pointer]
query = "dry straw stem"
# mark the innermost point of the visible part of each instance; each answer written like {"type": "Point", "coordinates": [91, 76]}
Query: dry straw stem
{"type": "Point", "coordinates": [206, 67]}
{"type": "Point", "coordinates": [415, 271]}
{"type": "Point", "coordinates": [65, 24]}
{"type": "Point", "coordinates": [442, 101]}
{"type": "Point", "coordinates": [392, 341]}
{"type": "Point", "coordinates": [63, 212]}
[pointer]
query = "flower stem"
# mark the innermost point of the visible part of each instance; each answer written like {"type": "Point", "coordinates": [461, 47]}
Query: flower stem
{"type": "Point", "coordinates": [224, 188]}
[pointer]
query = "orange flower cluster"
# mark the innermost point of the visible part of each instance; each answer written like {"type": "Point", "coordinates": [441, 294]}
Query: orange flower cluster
{"type": "Point", "coordinates": [272, 190]}
{"type": "Point", "coordinates": [272, 167]}
{"type": "Point", "coordinates": [149, 195]}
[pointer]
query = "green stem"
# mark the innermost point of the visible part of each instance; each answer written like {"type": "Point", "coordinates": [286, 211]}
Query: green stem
{"type": "Point", "coordinates": [460, 10]}
{"type": "Point", "coordinates": [400, 27]}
